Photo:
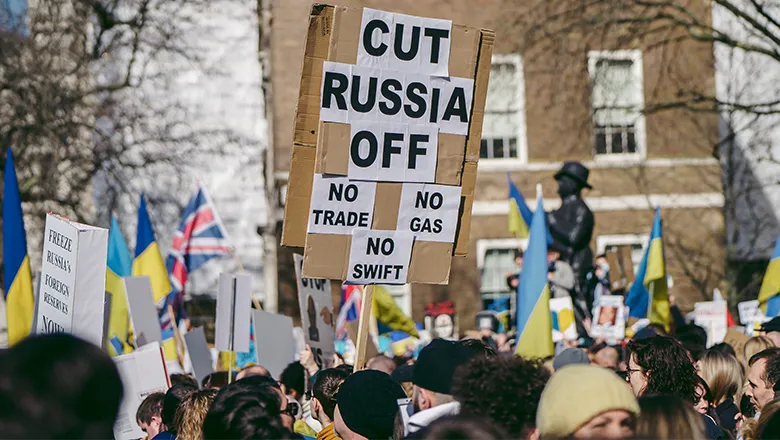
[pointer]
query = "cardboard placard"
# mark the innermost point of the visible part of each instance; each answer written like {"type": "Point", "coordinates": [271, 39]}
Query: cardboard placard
{"type": "Point", "coordinates": [274, 342]}
{"type": "Point", "coordinates": [234, 308]}
{"type": "Point", "coordinates": [73, 280]}
{"type": "Point", "coordinates": [317, 316]}
{"type": "Point", "coordinates": [143, 311]}
{"type": "Point", "coordinates": [143, 372]}
{"type": "Point", "coordinates": [712, 316]}
{"type": "Point", "coordinates": [609, 320]}
{"type": "Point", "coordinates": [737, 341]}
{"type": "Point", "coordinates": [563, 321]}
{"type": "Point", "coordinates": [199, 353]}
{"type": "Point", "coordinates": [387, 137]}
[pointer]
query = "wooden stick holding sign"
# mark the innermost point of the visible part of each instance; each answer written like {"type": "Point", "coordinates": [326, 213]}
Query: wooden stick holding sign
{"type": "Point", "coordinates": [233, 315]}
{"type": "Point", "coordinates": [367, 299]}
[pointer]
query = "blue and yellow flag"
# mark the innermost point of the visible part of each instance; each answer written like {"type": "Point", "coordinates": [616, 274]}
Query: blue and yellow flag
{"type": "Point", "coordinates": [534, 323]}
{"type": "Point", "coordinates": [768, 295]}
{"type": "Point", "coordinates": [520, 215]}
{"type": "Point", "coordinates": [19, 300]}
{"type": "Point", "coordinates": [648, 296]}
{"type": "Point", "coordinates": [149, 262]}
{"type": "Point", "coordinates": [389, 315]}
{"type": "Point", "coordinates": [120, 264]}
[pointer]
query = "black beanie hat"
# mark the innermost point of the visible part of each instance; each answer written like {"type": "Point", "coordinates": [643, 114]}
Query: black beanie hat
{"type": "Point", "coordinates": [367, 403]}
{"type": "Point", "coordinates": [436, 365]}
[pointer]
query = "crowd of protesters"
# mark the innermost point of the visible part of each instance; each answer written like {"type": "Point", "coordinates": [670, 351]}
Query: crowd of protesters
{"type": "Point", "coordinates": [653, 386]}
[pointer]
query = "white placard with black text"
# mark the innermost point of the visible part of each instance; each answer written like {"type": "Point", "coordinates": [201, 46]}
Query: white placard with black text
{"type": "Point", "coordinates": [339, 205]}
{"type": "Point", "coordinates": [379, 257]}
{"type": "Point", "coordinates": [429, 211]}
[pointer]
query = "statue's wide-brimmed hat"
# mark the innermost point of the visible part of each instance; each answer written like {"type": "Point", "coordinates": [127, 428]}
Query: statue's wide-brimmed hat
{"type": "Point", "coordinates": [576, 171]}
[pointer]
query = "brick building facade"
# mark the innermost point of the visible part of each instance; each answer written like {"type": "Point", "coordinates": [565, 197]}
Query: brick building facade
{"type": "Point", "coordinates": [543, 107]}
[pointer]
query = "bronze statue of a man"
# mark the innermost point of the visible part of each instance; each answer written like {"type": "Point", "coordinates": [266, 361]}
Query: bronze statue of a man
{"type": "Point", "coordinates": [572, 226]}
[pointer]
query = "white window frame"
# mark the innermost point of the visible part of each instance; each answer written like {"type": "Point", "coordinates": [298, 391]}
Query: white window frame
{"type": "Point", "coordinates": [406, 297]}
{"type": "Point", "coordinates": [635, 56]}
{"type": "Point", "coordinates": [485, 244]}
{"type": "Point", "coordinates": [522, 144]}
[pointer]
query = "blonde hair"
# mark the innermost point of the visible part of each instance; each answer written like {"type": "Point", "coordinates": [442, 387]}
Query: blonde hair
{"type": "Point", "coordinates": [666, 417]}
{"type": "Point", "coordinates": [756, 344]}
{"type": "Point", "coordinates": [752, 429]}
{"type": "Point", "coordinates": [723, 374]}
{"type": "Point", "coordinates": [189, 417]}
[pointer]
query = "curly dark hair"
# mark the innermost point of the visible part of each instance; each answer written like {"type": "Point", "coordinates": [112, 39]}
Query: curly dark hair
{"type": "Point", "coordinates": [667, 365]}
{"type": "Point", "coordinates": [502, 390]}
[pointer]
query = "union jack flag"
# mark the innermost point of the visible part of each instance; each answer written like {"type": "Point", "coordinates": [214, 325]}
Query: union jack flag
{"type": "Point", "coordinates": [200, 238]}
{"type": "Point", "coordinates": [350, 309]}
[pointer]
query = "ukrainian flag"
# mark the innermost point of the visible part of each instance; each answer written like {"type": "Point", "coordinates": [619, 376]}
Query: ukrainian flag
{"type": "Point", "coordinates": [648, 297]}
{"type": "Point", "coordinates": [149, 262]}
{"type": "Point", "coordinates": [389, 315]}
{"type": "Point", "coordinates": [534, 323]}
{"type": "Point", "coordinates": [768, 295]}
{"type": "Point", "coordinates": [19, 300]}
{"type": "Point", "coordinates": [120, 264]}
{"type": "Point", "coordinates": [520, 215]}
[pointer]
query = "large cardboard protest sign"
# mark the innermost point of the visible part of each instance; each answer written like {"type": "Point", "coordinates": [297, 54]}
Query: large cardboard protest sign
{"type": "Point", "coordinates": [386, 144]}
{"type": "Point", "coordinates": [73, 279]}
{"type": "Point", "coordinates": [234, 309]}
{"type": "Point", "coordinates": [143, 372]}
{"type": "Point", "coordinates": [712, 316]}
{"type": "Point", "coordinates": [317, 316]}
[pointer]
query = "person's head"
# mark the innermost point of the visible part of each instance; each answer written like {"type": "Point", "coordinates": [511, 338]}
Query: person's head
{"type": "Point", "coordinates": [607, 357]}
{"type": "Point", "coordinates": [756, 344]}
{"type": "Point", "coordinates": [149, 414]}
{"type": "Point", "coordinates": [570, 356]}
{"type": "Point", "coordinates": [254, 370]}
{"type": "Point", "coordinates": [478, 347]}
{"type": "Point", "coordinates": [723, 374]}
{"type": "Point", "coordinates": [248, 408]}
{"type": "Point", "coordinates": [177, 378]}
{"type": "Point", "coordinates": [660, 365]}
{"type": "Point", "coordinates": [173, 398]}
{"type": "Point", "coordinates": [504, 391]}
{"type": "Point", "coordinates": [58, 386]}
{"type": "Point", "coordinates": [724, 348]}
{"type": "Point", "coordinates": [366, 406]}
{"type": "Point", "coordinates": [771, 330]}
{"type": "Point", "coordinates": [193, 409]}
{"type": "Point", "coordinates": [323, 401]}
{"type": "Point", "coordinates": [519, 258]}
{"type": "Point", "coordinates": [759, 389]}
{"type": "Point", "coordinates": [704, 397]}
{"type": "Point", "coordinates": [434, 371]}
{"type": "Point", "coordinates": [293, 380]}
{"type": "Point", "coordinates": [381, 363]}
{"type": "Point", "coordinates": [665, 417]}
{"type": "Point", "coordinates": [459, 427]}
{"type": "Point", "coordinates": [217, 379]}
{"type": "Point", "coordinates": [584, 402]}
{"type": "Point", "coordinates": [693, 338]}
{"type": "Point", "coordinates": [768, 426]}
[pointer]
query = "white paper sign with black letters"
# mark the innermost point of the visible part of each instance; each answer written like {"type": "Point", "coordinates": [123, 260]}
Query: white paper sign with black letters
{"type": "Point", "coordinates": [393, 152]}
{"type": "Point", "coordinates": [429, 211]}
{"type": "Point", "coordinates": [379, 257]}
{"type": "Point", "coordinates": [339, 205]}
